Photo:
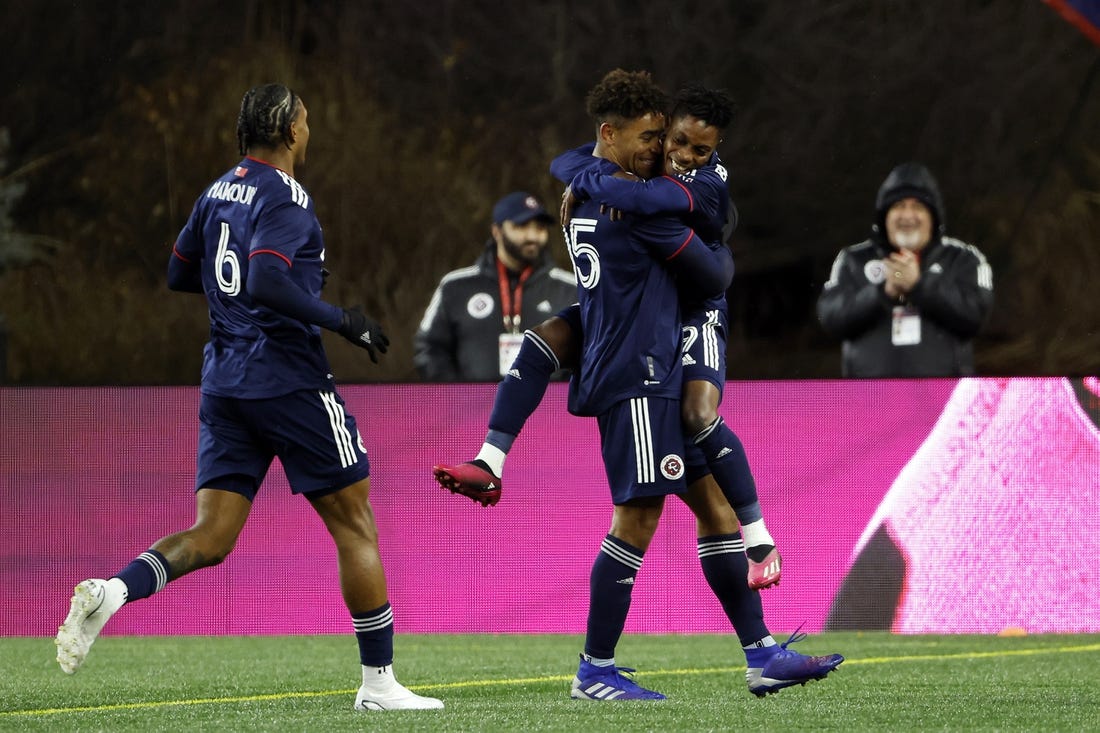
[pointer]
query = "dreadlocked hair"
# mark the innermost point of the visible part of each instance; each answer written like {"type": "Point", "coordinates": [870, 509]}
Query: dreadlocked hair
{"type": "Point", "coordinates": [266, 114]}
{"type": "Point", "coordinates": [625, 95]}
{"type": "Point", "coordinates": [712, 106]}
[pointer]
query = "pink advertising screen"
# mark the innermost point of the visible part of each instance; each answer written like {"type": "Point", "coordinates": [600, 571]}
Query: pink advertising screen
{"type": "Point", "coordinates": [934, 506]}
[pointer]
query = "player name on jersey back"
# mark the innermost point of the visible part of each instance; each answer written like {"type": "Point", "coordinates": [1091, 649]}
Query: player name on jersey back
{"type": "Point", "coordinates": [234, 192]}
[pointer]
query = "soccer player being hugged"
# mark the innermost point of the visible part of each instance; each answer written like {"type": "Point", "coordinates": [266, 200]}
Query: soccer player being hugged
{"type": "Point", "coordinates": [694, 187]}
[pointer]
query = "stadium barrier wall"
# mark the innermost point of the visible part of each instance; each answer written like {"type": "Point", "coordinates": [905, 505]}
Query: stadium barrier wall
{"type": "Point", "coordinates": [987, 488]}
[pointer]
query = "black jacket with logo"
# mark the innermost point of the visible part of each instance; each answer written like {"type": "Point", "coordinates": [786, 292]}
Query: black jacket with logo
{"type": "Point", "coordinates": [458, 338]}
{"type": "Point", "coordinates": [952, 298]}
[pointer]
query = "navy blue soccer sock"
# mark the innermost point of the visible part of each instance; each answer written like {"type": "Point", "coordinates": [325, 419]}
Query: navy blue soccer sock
{"type": "Point", "coordinates": [729, 465]}
{"type": "Point", "coordinates": [612, 582]}
{"type": "Point", "coordinates": [521, 390]}
{"type": "Point", "coordinates": [374, 632]}
{"type": "Point", "coordinates": [145, 575]}
{"type": "Point", "coordinates": [726, 569]}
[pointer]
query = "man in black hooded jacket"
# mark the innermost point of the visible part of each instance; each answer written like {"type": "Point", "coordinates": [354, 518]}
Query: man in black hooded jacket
{"type": "Point", "coordinates": [909, 300]}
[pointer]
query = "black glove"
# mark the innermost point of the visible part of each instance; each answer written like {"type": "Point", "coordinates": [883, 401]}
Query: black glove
{"type": "Point", "coordinates": [363, 332]}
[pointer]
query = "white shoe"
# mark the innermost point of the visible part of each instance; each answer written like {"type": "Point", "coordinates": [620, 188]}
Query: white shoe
{"type": "Point", "coordinates": [94, 601]}
{"type": "Point", "coordinates": [392, 695]}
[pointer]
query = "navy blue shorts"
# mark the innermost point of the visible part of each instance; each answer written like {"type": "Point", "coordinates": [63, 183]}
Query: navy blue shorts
{"type": "Point", "coordinates": [314, 438]}
{"type": "Point", "coordinates": [705, 347]}
{"type": "Point", "coordinates": [643, 447]}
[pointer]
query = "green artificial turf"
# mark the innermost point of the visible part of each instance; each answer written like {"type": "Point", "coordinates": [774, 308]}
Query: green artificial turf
{"type": "Point", "coordinates": [521, 683]}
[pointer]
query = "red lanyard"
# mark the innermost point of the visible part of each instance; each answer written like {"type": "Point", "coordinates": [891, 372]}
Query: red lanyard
{"type": "Point", "coordinates": [511, 302]}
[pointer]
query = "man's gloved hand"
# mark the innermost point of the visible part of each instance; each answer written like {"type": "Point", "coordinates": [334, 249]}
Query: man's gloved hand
{"type": "Point", "coordinates": [364, 332]}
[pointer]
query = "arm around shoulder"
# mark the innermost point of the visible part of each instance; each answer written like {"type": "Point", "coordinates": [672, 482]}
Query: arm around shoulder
{"type": "Point", "coordinates": [708, 270]}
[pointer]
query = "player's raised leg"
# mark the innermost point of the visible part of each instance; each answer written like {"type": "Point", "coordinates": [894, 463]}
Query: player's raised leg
{"type": "Point", "coordinates": [545, 349]}
{"type": "Point", "coordinates": [94, 601]}
{"type": "Point", "coordinates": [219, 518]}
{"type": "Point", "coordinates": [727, 462]}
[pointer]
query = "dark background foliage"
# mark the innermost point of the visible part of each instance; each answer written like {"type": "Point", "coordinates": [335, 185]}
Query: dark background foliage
{"type": "Point", "coordinates": [117, 114]}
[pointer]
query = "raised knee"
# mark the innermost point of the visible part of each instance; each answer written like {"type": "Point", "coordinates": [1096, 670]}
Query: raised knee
{"type": "Point", "coordinates": [696, 417]}
{"type": "Point", "coordinates": [559, 337]}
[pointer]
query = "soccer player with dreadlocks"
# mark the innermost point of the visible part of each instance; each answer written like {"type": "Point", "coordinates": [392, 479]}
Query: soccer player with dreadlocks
{"type": "Point", "coordinates": [253, 247]}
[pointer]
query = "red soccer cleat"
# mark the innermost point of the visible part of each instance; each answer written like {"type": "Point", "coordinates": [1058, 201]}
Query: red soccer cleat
{"type": "Point", "coordinates": [765, 573]}
{"type": "Point", "coordinates": [472, 479]}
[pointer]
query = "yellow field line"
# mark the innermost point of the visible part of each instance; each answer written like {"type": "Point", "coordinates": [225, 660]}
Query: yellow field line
{"type": "Point", "coordinates": [466, 684]}
{"type": "Point", "coordinates": [741, 668]}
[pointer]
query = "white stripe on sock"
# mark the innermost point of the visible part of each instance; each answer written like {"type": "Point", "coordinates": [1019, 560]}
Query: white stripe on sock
{"type": "Point", "coordinates": [720, 547]}
{"type": "Point", "coordinates": [160, 573]}
{"type": "Point", "coordinates": [616, 552]}
{"type": "Point", "coordinates": [373, 623]}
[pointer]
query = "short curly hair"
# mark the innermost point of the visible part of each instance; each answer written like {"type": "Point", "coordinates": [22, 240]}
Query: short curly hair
{"type": "Point", "coordinates": [266, 113]}
{"type": "Point", "coordinates": [625, 95]}
{"type": "Point", "coordinates": [712, 106]}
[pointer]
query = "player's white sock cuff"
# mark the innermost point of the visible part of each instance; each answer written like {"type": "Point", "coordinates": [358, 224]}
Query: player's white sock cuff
{"type": "Point", "coordinates": [494, 458]}
{"type": "Point", "coordinates": [597, 662]}
{"type": "Point", "coordinates": [115, 595]}
{"type": "Point", "coordinates": [755, 533]}
{"type": "Point", "coordinates": [378, 678]}
{"type": "Point", "coordinates": [764, 643]}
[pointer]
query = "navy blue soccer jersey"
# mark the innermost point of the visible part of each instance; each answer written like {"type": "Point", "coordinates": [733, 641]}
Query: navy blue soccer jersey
{"type": "Point", "coordinates": [629, 301]}
{"type": "Point", "coordinates": [572, 163]}
{"type": "Point", "coordinates": [257, 215]}
{"type": "Point", "coordinates": [700, 195]}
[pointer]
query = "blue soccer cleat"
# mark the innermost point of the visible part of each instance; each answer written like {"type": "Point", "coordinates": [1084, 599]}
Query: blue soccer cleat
{"type": "Point", "coordinates": [786, 668]}
{"type": "Point", "coordinates": [608, 683]}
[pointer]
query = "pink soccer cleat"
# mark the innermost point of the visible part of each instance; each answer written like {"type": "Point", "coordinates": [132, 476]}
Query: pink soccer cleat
{"type": "Point", "coordinates": [472, 479]}
{"type": "Point", "coordinates": [765, 573]}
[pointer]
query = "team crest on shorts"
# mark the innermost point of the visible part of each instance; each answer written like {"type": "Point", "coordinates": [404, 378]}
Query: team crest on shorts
{"type": "Point", "coordinates": [672, 467]}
